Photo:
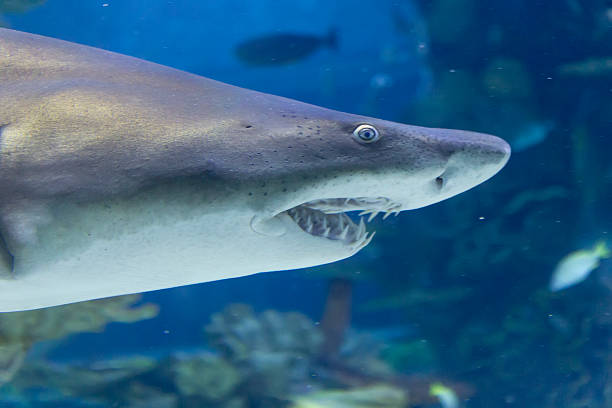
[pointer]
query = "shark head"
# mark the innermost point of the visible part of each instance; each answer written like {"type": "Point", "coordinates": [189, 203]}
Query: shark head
{"type": "Point", "coordinates": [313, 166]}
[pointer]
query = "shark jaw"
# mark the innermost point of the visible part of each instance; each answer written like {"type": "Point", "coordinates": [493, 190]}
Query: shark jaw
{"type": "Point", "coordinates": [327, 219]}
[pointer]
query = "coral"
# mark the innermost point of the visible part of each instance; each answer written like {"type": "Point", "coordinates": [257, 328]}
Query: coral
{"type": "Point", "coordinates": [275, 351]}
{"type": "Point", "coordinates": [261, 360]}
{"type": "Point", "coordinates": [265, 357]}
{"type": "Point", "coordinates": [362, 352]}
{"type": "Point", "coordinates": [376, 396]}
{"type": "Point", "coordinates": [58, 322]}
{"type": "Point", "coordinates": [237, 331]}
{"type": "Point", "coordinates": [139, 395]}
{"type": "Point", "coordinates": [207, 376]}
{"type": "Point", "coordinates": [79, 379]}
{"type": "Point", "coordinates": [11, 360]}
{"type": "Point", "coordinates": [20, 330]}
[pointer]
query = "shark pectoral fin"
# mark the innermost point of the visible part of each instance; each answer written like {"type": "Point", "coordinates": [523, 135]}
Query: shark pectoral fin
{"type": "Point", "coordinates": [6, 260]}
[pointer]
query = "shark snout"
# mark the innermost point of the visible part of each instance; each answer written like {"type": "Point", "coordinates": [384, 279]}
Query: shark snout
{"type": "Point", "coordinates": [472, 159]}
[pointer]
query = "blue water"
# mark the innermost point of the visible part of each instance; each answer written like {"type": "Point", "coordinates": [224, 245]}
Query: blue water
{"type": "Point", "coordinates": [200, 37]}
{"type": "Point", "coordinates": [457, 293]}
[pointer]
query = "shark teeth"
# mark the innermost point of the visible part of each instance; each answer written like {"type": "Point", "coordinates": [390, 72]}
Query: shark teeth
{"type": "Point", "coordinates": [364, 241]}
{"type": "Point", "coordinates": [345, 231]}
{"type": "Point", "coordinates": [374, 206]}
{"type": "Point", "coordinates": [337, 227]}
{"type": "Point", "coordinates": [339, 205]}
{"type": "Point", "coordinates": [327, 219]}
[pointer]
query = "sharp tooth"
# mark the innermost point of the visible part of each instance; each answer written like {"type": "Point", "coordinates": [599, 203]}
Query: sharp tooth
{"type": "Point", "coordinates": [326, 232]}
{"type": "Point", "coordinates": [372, 216]}
{"type": "Point", "coordinates": [365, 241]}
{"type": "Point", "coordinates": [345, 232]}
{"type": "Point", "coordinates": [309, 228]}
{"type": "Point", "coordinates": [388, 213]}
{"type": "Point", "coordinates": [362, 227]}
{"type": "Point", "coordinates": [364, 212]}
{"type": "Point", "coordinates": [356, 246]}
{"type": "Point", "coordinates": [309, 220]}
{"type": "Point", "coordinates": [359, 244]}
{"type": "Point", "coordinates": [396, 213]}
{"type": "Point", "coordinates": [324, 222]}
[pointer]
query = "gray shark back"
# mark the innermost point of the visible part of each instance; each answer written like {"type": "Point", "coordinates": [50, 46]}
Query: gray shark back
{"type": "Point", "coordinates": [52, 90]}
{"type": "Point", "coordinates": [85, 123]}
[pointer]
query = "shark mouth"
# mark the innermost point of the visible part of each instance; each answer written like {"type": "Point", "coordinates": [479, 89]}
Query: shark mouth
{"type": "Point", "coordinates": [327, 218]}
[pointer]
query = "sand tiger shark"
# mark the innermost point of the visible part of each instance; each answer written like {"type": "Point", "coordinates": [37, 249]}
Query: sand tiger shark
{"type": "Point", "coordinates": [118, 175]}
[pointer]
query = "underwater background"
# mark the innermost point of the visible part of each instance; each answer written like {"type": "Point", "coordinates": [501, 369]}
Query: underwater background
{"type": "Point", "coordinates": [451, 305]}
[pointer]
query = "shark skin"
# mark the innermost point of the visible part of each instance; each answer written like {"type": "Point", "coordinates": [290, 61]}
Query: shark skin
{"type": "Point", "coordinates": [118, 175]}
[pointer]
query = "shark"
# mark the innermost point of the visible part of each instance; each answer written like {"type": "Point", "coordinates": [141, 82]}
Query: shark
{"type": "Point", "coordinates": [119, 175]}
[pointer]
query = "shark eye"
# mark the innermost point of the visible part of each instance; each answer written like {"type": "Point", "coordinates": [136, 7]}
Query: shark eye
{"type": "Point", "coordinates": [366, 134]}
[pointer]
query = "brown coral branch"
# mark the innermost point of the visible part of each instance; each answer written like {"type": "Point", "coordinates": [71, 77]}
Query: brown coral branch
{"type": "Point", "coordinates": [336, 317]}
{"type": "Point", "coordinates": [415, 386]}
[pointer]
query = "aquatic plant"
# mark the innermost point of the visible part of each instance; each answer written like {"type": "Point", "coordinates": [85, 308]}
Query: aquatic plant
{"type": "Point", "coordinates": [20, 330]}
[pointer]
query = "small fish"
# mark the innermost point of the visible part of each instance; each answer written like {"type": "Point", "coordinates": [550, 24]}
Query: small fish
{"type": "Point", "coordinates": [576, 267]}
{"type": "Point", "coordinates": [380, 81]}
{"type": "Point", "coordinates": [280, 49]}
{"type": "Point", "coordinates": [448, 398]}
{"type": "Point", "coordinates": [531, 135]}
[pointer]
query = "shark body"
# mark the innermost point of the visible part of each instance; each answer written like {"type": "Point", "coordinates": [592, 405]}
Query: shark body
{"type": "Point", "coordinates": [118, 175]}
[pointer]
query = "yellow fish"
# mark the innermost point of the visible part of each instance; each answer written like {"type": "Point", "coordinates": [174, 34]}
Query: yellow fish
{"type": "Point", "coordinates": [576, 267]}
{"type": "Point", "coordinates": [448, 398]}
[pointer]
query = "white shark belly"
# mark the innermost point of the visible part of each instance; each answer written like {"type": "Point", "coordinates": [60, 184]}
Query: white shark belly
{"type": "Point", "coordinates": [101, 250]}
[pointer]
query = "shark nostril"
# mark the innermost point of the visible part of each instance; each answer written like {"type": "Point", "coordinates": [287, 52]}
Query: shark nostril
{"type": "Point", "coordinates": [440, 181]}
